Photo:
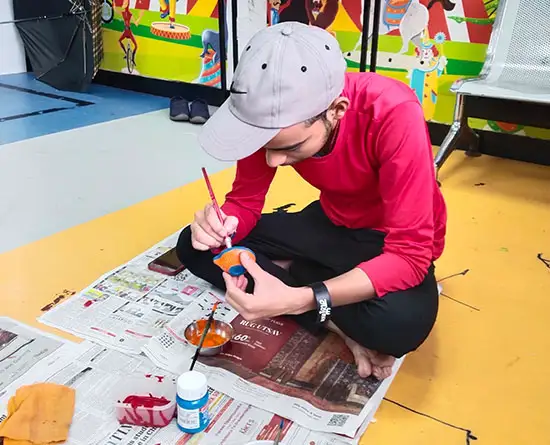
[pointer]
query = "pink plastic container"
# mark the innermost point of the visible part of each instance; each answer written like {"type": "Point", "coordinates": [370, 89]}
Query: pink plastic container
{"type": "Point", "coordinates": [146, 385]}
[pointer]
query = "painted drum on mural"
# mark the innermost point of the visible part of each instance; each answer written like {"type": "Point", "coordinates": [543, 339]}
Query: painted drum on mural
{"type": "Point", "coordinates": [163, 39]}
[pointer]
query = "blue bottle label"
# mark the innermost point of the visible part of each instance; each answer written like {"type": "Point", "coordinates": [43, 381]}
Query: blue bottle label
{"type": "Point", "coordinates": [193, 420]}
{"type": "Point", "coordinates": [189, 418]}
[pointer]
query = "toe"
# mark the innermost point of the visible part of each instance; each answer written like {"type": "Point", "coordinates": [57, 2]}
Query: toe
{"type": "Point", "coordinates": [364, 368]}
{"type": "Point", "coordinates": [386, 372]}
{"type": "Point", "coordinates": [382, 360]}
{"type": "Point", "coordinates": [364, 371]}
{"type": "Point", "coordinates": [381, 372]}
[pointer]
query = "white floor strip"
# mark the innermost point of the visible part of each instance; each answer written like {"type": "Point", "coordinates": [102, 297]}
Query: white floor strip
{"type": "Point", "coordinates": [55, 182]}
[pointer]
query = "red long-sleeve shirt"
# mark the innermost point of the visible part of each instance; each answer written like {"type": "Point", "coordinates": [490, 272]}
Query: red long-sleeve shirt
{"type": "Point", "coordinates": [379, 175]}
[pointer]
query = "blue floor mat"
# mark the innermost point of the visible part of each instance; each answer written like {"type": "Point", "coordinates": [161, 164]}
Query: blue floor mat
{"type": "Point", "coordinates": [30, 108]}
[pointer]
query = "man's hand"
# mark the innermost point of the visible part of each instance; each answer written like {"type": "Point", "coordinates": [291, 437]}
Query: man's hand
{"type": "Point", "coordinates": [208, 232]}
{"type": "Point", "coordinates": [271, 296]}
{"type": "Point", "coordinates": [241, 281]}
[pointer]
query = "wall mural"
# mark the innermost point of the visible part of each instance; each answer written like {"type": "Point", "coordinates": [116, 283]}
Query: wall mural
{"type": "Point", "coordinates": [427, 44]}
{"type": "Point", "coordinates": [163, 39]}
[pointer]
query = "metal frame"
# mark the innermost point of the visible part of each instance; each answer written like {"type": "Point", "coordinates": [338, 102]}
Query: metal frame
{"type": "Point", "coordinates": [223, 50]}
{"type": "Point", "coordinates": [367, 4]}
{"type": "Point", "coordinates": [460, 131]}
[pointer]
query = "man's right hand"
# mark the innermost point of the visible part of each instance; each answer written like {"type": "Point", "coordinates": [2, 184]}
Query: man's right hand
{"type": "Point", "coordinates": [208, 232]}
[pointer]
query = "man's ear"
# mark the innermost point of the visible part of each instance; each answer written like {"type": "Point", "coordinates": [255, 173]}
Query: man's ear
{"type": "Point", "coordinates": [339, 107]}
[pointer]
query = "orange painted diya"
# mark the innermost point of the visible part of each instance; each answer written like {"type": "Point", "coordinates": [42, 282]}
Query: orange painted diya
{"type": "Point", "coordinates": [229, 260]}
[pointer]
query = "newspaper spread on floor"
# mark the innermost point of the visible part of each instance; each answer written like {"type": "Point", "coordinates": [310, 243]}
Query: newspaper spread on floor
{"type": "Point", "coordinates": [95, 371]}
{"type": "Point", "coordinates": [273, 365]}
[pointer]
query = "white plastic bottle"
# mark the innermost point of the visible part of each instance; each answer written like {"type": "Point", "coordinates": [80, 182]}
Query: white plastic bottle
{"type": "Point", "coordinates": [192, 400]}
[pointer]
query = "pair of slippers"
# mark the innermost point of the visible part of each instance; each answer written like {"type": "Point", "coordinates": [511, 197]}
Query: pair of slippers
{"type": "Point", "coordinates": [182, 110]}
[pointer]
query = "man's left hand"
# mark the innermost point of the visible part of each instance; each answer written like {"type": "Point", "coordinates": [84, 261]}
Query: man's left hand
{"type": "Point", "coordinates": [271, 296]}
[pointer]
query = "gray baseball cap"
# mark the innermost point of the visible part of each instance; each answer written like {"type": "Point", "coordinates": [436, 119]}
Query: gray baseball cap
{"type": "Point", "coordinates": [287, 73]}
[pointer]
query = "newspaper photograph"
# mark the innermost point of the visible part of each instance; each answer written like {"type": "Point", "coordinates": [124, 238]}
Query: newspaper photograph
{"type": "Point", "coordinates": [21, 347]}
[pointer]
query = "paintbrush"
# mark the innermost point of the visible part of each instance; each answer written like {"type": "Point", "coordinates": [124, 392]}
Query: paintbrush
{"type": "Point", "coordinates": [203, 336]}
{"type": "Point", "coordinates": [280, 432]}
{"type": "Point", "coordinates": [227, 239]}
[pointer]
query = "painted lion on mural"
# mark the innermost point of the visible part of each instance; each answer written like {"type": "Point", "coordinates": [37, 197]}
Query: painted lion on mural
{"type": "Point", "coordinates": [322, 13]}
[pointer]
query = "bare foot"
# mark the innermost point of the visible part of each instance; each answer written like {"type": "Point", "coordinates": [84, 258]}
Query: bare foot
{"type": "Point", "coordinates": [361, 356]}
{"type": "Point", "coordinates": [381, 365]}
{"type": "Point", "coordinates": [368, 362]}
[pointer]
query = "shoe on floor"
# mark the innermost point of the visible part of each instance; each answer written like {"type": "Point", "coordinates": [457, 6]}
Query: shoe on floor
{"type": "Point", "coordinates": [179, 109]}
{"type": "Point", "coordinates": [199, 112]}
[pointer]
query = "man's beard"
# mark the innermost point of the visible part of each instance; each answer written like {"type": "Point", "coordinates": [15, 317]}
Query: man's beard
{"type": "Point", "coordinates": [328, 139]}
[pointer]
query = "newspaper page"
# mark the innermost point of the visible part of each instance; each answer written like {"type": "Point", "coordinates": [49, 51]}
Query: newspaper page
{"type": "Point", "coordinates": [22, 347]}
{"type": "Point", "coordinates": [94, 372]}
{"type": "Point", "coordinates": [276, 364]}
{"type": "Point", "coordinates": [129, 305]}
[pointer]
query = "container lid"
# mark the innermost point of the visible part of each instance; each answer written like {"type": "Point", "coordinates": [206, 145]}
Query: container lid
{"type": "Point", "coordinates": [192, 385]}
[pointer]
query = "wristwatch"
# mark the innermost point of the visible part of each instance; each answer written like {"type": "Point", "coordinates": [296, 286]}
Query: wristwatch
{"type": "Point", "coordinates": [324, 302]}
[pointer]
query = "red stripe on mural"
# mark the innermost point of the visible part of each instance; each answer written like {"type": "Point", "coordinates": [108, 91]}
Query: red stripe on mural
{"type": "Point", "coordinates": [144, 5]}
{"type": "Point", "coordinates": [438, 21]}
{"type": "Point", "coordinates": [354, 10]}
{"type": "Point", "coordinates": [478, 33]}
{"type": "Point", "coordinates": [214, 14]}
{"type": "Point", "coordinates": [190, 4]}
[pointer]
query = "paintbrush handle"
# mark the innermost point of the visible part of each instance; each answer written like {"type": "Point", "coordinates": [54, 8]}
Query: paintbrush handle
{"type": "Point", "coordinates": [203, 336]}
{"type": "Point", "coordinates": [215, 204]}
{"type": "Point", "coordinates": [201, 341]}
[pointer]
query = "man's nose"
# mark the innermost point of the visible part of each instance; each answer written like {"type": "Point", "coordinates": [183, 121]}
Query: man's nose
{"type": "Point", "coordinates": [275, 159]}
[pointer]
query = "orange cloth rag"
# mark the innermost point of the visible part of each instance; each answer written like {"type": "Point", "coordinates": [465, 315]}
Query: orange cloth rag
{"type": "Point", "coordinates": [39, 414]}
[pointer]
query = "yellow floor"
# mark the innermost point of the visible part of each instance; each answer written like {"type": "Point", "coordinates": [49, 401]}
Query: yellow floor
{"type": "Point", "coordinates": [482, 369]}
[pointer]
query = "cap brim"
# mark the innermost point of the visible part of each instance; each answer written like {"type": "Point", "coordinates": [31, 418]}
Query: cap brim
{"type": "Point", "coordinates": [227, 138]}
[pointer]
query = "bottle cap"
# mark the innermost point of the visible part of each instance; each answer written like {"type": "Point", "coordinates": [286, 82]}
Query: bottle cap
{"type": "Point", "coordinates": [192, 385]}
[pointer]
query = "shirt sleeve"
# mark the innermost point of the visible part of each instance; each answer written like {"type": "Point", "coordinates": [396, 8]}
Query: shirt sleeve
{"type": "Point", "coordinates": [247, 196]}
{"type": "Point", "coordinates": [406, 184]}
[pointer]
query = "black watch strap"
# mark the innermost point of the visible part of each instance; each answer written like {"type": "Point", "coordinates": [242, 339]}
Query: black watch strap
{"type": "Point", "coordinates": [324, 302]}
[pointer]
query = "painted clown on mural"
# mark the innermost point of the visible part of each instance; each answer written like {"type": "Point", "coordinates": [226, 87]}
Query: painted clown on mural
{"type": "Point", "coordinates": [413, 35]}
